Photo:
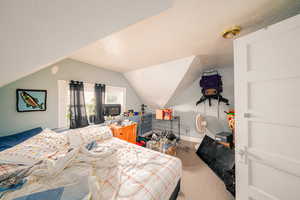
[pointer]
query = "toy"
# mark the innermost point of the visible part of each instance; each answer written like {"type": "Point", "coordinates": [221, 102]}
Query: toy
{"type": "Point", "coordinates": [231, 119]}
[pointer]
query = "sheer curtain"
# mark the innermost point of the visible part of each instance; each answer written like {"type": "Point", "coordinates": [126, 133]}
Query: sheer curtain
{"type": "Point", "coordinates": [100, 99]}
{"type": "Point", "coordinates": [78, 116]}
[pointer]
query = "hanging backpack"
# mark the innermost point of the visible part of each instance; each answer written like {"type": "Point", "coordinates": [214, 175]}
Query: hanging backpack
{"type": "Point", "coordinates": [212, 87]}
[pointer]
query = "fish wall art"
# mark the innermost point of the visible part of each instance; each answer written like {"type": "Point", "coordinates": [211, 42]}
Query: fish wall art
{"type": "Point", "coordinates": [31, 100]}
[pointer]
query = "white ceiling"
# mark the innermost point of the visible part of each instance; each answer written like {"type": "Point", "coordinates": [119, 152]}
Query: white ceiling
{"type": "Point", "coordinates": [190, 27]}
{"type": "Point", "coordinates": [35, 34]}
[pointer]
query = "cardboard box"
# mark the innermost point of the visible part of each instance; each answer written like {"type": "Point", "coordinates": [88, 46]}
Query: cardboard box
{"type": "Point", "coordinates": [159, 114]}
{"type": "Point", "coordinates": [164, 114]}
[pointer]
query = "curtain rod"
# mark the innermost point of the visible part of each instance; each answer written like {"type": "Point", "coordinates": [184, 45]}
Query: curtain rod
{"type": "Point", "coordinates": [91, 82]}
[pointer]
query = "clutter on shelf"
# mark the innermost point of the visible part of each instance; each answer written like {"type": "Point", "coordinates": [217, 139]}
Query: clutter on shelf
{"type": "Point", "coordinates": [163, 141]}
{"type": "Point", "coordinates": [227, 138]}
{"type": "Point", "coordinates": [155, 131]}
{"type": "Point", "coordinates": [164, 114]}
{"type": "Point", "coordinates": [143, 108]}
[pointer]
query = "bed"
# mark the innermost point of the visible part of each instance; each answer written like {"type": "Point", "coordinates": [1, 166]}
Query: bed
{"type": "Point", "coordinates": [89, 163]}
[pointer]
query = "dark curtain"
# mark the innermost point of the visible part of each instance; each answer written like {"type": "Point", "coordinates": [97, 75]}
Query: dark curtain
{"type": "Point", "coordinates": [78, 116]}
{"type": "Point", "coordinates": [100, 97]}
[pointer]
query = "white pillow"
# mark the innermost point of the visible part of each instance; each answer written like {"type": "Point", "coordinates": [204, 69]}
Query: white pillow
{"type": "Point", "coordinates": [48, 139]}
{"type": "Point", "coordinates": [95, 132]}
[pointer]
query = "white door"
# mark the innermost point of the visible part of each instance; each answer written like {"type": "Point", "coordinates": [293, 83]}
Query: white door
{"type": "Point", "coordinates": [267, 98]}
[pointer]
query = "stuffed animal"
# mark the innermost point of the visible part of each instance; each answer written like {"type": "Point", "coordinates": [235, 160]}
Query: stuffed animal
{"type": "Point", "coordinates": [231, 119]}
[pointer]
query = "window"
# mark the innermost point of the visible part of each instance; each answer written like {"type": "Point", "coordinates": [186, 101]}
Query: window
{"type": "Point", "coordinates": [116, 95]}
{"type": "Point", "coordinates": [113, 95]}
{"type": "Point", "coordinates": [89, 98]}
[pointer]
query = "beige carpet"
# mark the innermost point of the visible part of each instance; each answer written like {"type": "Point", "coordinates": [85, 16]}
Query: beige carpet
{"type": "Point", "coordinates": [198, 181]}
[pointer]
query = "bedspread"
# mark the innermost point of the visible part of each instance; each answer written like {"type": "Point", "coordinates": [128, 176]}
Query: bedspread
{"type": "Point", "coordinates": [140, 174]}
{"type": "Point", "coordinates": [114, 170]}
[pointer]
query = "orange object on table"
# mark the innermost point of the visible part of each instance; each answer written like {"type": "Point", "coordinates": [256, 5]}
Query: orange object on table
{"type": "Point", "coordinates": [167, 114]}
{"type": "Point", "coordinates": [159, 114]}
{"type": "Point", "coordinates": [127, 133]}
{"type": "Point", "coordinates": [164, 114]}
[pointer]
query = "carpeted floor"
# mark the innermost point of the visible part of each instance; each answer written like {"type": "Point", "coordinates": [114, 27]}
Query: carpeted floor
{"type": "Point", "coordinates": [198, 181]}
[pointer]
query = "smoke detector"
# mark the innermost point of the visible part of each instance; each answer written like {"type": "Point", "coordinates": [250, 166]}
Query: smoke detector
{"type": "Point", "coordinates": [231, 32]}
{"type": "Point", "coordinates": [54, 69]}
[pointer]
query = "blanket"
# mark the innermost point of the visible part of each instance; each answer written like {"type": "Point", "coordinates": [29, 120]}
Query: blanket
{"type": "Point", "coordinates": [114, 169]}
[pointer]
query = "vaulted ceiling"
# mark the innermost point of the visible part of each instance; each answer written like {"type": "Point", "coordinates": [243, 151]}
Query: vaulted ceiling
{"type": "Point", "coordinates": [35, 34]}
{"type": "Point", "coordinates": [164, 54]}
{"type": "Point", "coordinates": [173, 38]}
{"type": "Point", "coordinates": [189, 27]}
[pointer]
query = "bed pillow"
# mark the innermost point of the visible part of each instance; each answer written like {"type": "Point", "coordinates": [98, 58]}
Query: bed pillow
{"type": "Point", "coordinates": [90, 133]}
{"type": "Point", "coordinates": [40, 147]}
{"type": "Point", "coordinates": [95, 133]}
{"type": "Point", "coordinates": [48, 139]}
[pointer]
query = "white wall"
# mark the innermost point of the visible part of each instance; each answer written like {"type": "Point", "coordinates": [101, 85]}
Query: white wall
{"type": "Point", "coordinates": [35, 34]}
{"type": "Point", "coordinates": [156, 84]}
{"type": "Point", "coordinates": [184, 104]}
{"type": "Point", "coordinates": [11, 121]}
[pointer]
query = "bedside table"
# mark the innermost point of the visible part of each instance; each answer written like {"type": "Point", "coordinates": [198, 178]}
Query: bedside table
{"type": "Point", "coordinates": [127, 133]}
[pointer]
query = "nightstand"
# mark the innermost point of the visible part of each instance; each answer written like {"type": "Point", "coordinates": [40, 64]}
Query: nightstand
{"type": "Point", "coordinates": [127, 133]}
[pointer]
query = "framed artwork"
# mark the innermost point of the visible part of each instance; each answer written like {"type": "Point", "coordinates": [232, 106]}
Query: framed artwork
{"type": "Point", "coordinates": [31, 100]}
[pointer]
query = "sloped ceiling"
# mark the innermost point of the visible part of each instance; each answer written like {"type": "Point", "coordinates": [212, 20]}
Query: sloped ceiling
{"type": "Point", "coordinates": [193, 73]}
{"type": "Point", "coordinates": [35, 34]}
{"type": "Point", "coordinates": [190, 27]}
{"type": "Point", "coordinates": [156, 84]}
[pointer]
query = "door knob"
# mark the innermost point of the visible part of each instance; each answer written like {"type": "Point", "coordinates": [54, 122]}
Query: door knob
{"type": "Point", "coordinates": [243, 154]}
{"type": "Point", "coordinates": [247, 115]}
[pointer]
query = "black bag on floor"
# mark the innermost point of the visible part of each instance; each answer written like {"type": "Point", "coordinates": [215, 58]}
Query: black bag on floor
{"type": "Point", "coordinates": [220, 159]}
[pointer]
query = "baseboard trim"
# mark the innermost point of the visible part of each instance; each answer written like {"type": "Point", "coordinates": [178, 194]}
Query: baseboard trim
{"type": "Point", "coordinates": [191, 139]}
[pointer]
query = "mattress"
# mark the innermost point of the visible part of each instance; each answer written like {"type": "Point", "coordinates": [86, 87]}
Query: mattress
{"type": "Point", "coordinates": [137, 174]}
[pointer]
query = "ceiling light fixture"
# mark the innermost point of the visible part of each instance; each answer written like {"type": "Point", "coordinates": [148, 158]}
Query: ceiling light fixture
{"type": "Point", "coordinates": [231, 32]}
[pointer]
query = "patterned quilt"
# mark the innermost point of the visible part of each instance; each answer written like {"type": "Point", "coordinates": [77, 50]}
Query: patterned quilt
{"type": "Point", "coordinates": [112, 170]}
{"type": "Point", "coordinates": [141, 174]}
